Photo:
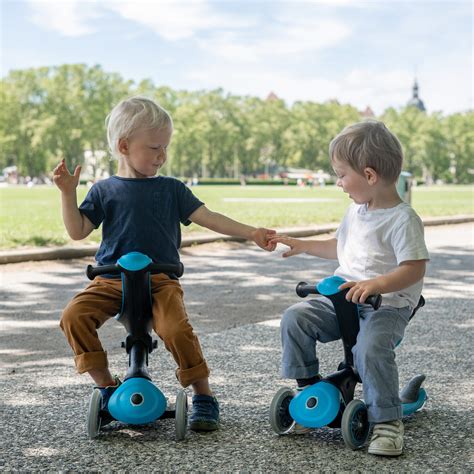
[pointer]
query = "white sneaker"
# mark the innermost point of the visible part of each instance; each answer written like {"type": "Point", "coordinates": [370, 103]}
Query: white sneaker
{"type": "Point", "coordinates": [300, 429]}
{"type": "Point", "coordinates": [387, 438]}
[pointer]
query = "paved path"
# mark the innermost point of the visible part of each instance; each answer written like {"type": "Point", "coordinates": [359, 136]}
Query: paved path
{"type": "Point", "coordinates": [235, 294]}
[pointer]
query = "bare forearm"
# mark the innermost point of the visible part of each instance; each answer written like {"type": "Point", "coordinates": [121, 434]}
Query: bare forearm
{"type": "Point", "coordinates": [322, 248]}
{"type": "Point", "coordinates": [405, 275]}
{"type": "Point", "coordinates": [222, 224]}
{"type": "Point", "coordinates": [73, 219]}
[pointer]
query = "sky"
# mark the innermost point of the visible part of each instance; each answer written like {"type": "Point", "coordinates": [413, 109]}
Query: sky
{"type": "Point", "coordinates": [365, 53]}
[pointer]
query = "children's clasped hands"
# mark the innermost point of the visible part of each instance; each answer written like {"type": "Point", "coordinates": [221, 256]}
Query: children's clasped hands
{"type": "Point", "coordinates": [297, 246]}
{"type": "Point", "coordinates": [263, 238]}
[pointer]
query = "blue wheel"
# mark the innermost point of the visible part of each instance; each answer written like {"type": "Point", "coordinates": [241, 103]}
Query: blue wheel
{"type": "Point", "coordinates": [316, 406]}
{"type": "Point", "coordinates": [355, 424]}
{"type": "Point", "coordinates": [93, 415]}
{"type": "Point", "coordinates": [280, 418]}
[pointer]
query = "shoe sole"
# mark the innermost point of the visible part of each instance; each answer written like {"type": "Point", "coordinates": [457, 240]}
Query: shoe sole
{"type": "Point", "coordinates": [385, 452]}
{"type": "Point", "coordinates": [203, 426]}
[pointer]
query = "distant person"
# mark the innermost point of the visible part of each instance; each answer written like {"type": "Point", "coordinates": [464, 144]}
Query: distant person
{"type": "Point", "coordinates": [140, 211]}
{"type": "Point", "coordinates": [381, 249]}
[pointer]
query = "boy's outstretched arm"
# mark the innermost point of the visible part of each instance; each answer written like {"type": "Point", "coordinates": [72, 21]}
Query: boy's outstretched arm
{"type": "Point", "coordinates": [319, 248]}
{"type": "Point", "coordinates": [77, 225]}
{"type": "Point", "coordinates": [407, 274]}
{"type": "Point", "coordinates": [224, 225]}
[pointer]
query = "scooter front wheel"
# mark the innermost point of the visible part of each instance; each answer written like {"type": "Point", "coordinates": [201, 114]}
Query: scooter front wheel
{"type": "Point", "coordinates": [93, 415]}
{"type": "Point", "coordinates": [181, 415]}
{"type": "Point", "coordinates": [355, 425]}
{"type": "Point", "coordinates": [280, 418]}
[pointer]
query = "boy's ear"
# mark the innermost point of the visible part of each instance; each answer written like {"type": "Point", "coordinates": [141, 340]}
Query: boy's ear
{"type": "Point", "coordinates": [123, 146]}
{"type": "Point", "coordinates": [371, 175]}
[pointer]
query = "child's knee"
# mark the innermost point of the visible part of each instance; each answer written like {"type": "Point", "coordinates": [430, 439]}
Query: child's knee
{"type": "Point", "coordinates": [76, 321]}
{"type": "Point", "coordinates": [290, 321]}
{"type": "Point", "coordinates": [68, 319]}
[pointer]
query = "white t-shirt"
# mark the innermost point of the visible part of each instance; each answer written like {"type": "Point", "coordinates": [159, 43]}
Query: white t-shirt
{"type": "Point", "coordinates": [374, 243]}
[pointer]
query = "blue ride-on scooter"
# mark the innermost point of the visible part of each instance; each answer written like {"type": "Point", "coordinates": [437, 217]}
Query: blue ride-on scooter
{"type": "Point", "coordinates": [330, 401]}
{"type": "Point", "coordinates": [137, 400]}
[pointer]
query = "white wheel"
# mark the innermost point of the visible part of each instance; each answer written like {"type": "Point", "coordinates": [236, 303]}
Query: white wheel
{"type": "Point", "coordinates": [93, 415]}
{"type": "Point", "coordinates": [181, 415]}
{"type": "Point", "coordinates": [355, 425]}
{"type": "Point", "coordinates": [280, 418]}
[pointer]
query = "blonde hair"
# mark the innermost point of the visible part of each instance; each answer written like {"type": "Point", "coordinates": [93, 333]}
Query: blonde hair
{"type": "Point", "coordinates": [369, 144]}
{"type": "Point", "coordinates": [132, 114]}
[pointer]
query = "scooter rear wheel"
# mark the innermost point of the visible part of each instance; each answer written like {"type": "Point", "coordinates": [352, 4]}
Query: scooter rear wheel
{"type": "Point", "coordinates": [355, 425]}
{"type": "Point", "coordinates": [93, 415]}
{"type": "Point", "coordinates": [181, 415]}
{"type": "Point", "coordinates": [280, 418]}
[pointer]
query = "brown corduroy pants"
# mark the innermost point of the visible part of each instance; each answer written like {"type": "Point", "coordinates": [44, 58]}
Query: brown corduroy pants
{"type": "Point", "coordinates": [102, 300]}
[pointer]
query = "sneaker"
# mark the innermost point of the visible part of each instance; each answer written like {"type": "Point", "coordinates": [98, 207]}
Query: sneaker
{"type": "Point", "coordinates": [107, 392]}
{"type": "Point", "coordinates": [387, 438]}
{"type": "Point", "coordinates": [302, 384]}
{"type": "Point", "coordinates": [300, 429]}
{"type": "Point", "coordinates": [205, 415]}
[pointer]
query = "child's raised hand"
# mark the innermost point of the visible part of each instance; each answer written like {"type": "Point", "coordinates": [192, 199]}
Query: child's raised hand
{"type": "Point", "coordinates": [262, 236]}
{"type": "Point", "coordinates": [64, 180]}
{"type": "Point", "coordinates": [296, 246]}
{"type": "Point", "coordinates": [361, 290]}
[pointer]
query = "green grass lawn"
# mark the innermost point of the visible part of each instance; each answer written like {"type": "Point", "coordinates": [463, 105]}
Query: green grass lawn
{"type": "Point", "coordinates": [32, 216]}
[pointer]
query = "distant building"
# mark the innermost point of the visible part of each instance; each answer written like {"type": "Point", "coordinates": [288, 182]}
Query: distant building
{"type": "Point", "coordinates": [367, 113]}
{"type": "Point", "coordinates": [415, 101]}
{"type": "Point", "coordinates": [272, 96]}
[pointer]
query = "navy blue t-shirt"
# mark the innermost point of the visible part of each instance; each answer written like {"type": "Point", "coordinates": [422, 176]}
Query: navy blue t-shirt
{"type": "Point", "coordinates": [139, 215]}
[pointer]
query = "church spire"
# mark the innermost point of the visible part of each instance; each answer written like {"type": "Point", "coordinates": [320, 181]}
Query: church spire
{"type": "Point", "coordinates": [415, 101]}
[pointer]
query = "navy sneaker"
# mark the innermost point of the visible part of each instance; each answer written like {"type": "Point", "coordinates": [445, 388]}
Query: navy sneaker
{"type": "Point", "coordinates": [205, 415]}
{"type": "Point", "coordinates": [107, 392]}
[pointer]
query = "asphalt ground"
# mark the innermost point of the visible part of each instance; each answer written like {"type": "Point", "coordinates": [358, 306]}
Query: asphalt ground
{"type": "Point", "coordinates": [235, 295]}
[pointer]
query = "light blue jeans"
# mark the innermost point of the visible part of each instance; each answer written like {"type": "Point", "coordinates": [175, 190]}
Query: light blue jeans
{"type": "Point", "coordinates": [305, 323]}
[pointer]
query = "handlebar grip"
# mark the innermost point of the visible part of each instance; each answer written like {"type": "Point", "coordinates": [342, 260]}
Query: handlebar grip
{"type": "Point", "coordinates": [92, 272]}
{"type": "Point", "coordinates": [375, 301]}
{"type": "Point", "coordinates": [175, 269]}
{"type": "Point", "coordinates": [303, 289]}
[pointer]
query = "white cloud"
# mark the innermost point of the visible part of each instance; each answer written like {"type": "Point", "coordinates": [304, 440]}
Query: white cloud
{"type": "Point", "coordinates": [67, 17]}
{"type": "Point", "coordinates": [174, 20]}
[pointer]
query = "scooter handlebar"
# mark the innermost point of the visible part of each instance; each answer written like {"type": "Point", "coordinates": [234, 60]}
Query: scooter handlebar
{"type": "Point", "coordinates": [153, 268]}
{"type": "Point", "coordinates": [303, 290]}
{"type": "Point", "coordinates": [175, 269]}
{"type": "Point", "coordinates": [92, 271]}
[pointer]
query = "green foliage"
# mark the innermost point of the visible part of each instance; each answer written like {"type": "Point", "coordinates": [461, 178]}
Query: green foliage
{"type": "Point", "coordinates": [32, 216]}
{"type": "Point", "coordinates": [48, 113]}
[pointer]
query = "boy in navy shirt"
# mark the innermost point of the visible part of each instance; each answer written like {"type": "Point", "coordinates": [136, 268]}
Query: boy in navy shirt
{"type": "Point", "coordinates": [142, 212]}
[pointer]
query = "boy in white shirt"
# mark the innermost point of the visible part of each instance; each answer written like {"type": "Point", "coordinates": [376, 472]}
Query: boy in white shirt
{"type": "Point", "coordinates": [380, 248]}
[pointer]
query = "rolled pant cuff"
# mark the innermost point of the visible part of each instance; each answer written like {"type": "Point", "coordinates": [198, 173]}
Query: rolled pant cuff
{"type": "Point", "coordinates": [381, 414]}
{"type": "Point", "coordinates": [187, 377]}
{"type": "Point", "coordinates": [91, 360]}
{"type": "Point", "coordinates": [291, 372]}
